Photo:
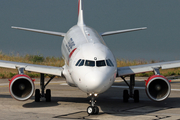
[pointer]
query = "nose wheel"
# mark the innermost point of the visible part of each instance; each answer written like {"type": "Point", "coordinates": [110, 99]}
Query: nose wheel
{"type": "Point", "coordinates": [93, 110]}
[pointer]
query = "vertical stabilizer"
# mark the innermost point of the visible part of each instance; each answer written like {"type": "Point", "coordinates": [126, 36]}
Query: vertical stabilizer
{"type": "Point", "coordinates": [80, 13]}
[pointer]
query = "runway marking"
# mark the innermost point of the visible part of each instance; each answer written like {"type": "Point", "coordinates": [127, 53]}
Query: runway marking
{"type": "Point", "coordinates": [146, 109]}
{"type": "Point", "coordinates": [126, 87]}
{"type": "Point", "coordinates": [4, 84]}
{"type": "Point", "coordinates": [175, 89]}
{"type": "Point", "coordinates": [140, 88]}
{"type": "Point", "coordinates": [37, 83]}
{"type": "Point", "coordinates": [173, 80]}
{"type": "Point", "coordinates": [64, 83]}
{"type": "Point", "coordinates": [128, 80]}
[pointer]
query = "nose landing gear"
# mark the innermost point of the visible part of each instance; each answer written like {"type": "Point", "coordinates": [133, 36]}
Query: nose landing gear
{"type": "Point", "coordinates": [93, 110]}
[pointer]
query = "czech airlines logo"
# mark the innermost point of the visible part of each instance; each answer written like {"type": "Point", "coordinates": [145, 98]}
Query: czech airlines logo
{"type": "Point", "coordinates": [70, 44]}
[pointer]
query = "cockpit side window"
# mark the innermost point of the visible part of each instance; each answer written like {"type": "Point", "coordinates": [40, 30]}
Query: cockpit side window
{"type": "Point", "coordinates": [78, 62]}
{"type": "Point", "coordinates": [90, 63]}
{"type": "Point", "coordinates": [100, 63]}
{"type": "Point", "coordinates": [111, 62]}
{"type": "Point", "coordinates": [81, 63]}
{"type": "Point", "coordinates": [108, 63]}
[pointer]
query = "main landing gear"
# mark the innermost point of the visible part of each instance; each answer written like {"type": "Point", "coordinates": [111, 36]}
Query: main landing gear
{"type": "Point", "coordinates": [127, 95]}
{"type": "Point", "coordinates": [41, 94]}
{"type": "Point", "coordinates": [93, 110]}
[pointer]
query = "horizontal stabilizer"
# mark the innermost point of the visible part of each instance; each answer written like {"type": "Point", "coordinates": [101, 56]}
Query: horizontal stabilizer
{"type": "Point", "coordinates": [41, 31]}
{"type": "Point", "coordinates": [121, 31]}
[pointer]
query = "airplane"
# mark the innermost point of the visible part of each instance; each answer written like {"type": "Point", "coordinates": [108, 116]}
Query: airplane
{"type": "Point", "coordinates": [90, 66]}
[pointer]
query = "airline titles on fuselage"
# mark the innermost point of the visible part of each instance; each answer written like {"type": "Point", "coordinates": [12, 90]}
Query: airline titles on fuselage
{"type": "Point", "coordinates": [70, 44]}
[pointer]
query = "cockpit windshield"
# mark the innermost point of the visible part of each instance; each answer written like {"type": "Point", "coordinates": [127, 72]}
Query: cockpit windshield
{"type": "Point", "coordinates": [90, 63]}
{"type": "Point", "coordinates": [98, 63]}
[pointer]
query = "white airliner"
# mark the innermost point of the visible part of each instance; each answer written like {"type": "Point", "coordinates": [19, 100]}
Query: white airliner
{"type": "Point", "coordinates": [90, 66]}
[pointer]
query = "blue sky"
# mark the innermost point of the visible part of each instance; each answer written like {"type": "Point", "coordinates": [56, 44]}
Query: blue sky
{"type": "Point", "coordinates": [159, 42]}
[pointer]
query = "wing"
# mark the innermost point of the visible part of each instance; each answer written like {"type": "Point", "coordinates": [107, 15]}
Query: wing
{"type": "Point", "coordinates": [121, 31]}
{"type": "Point", "coordinates": [41, 31]}
{"type": "Point", "coordinates": [33, 68]}
{"type": "Point", "coordinates": [123, 71]}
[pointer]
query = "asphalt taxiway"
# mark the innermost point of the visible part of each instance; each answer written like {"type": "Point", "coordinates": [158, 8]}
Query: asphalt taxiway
{"type": "Point", "coordinates": [71, 103]}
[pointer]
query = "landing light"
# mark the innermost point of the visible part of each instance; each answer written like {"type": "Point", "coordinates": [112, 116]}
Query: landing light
{"type": "Point", "coordinates": [95, 95]}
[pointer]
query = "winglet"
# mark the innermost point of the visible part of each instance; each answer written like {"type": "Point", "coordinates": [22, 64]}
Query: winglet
{"type": "Point", "coordinates": [80, 13]}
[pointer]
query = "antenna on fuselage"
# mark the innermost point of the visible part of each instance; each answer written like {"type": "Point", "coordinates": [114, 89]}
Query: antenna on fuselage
{"type": "Point", "coordinates": [80, 13]}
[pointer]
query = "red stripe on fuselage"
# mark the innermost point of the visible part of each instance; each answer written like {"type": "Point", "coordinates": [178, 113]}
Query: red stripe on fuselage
{"type": "Point", "coordinates": [72, 53]}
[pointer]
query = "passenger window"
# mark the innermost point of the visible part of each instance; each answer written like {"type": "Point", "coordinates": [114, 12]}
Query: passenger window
{"type": "Point", "coordinates": [81, 63]}
{"type": "Point", "coordinates": [100, 63]}
{"type": "Point", "coordinates": [90, 63]}
{"type": "Point", "coordinates": [78, 62]}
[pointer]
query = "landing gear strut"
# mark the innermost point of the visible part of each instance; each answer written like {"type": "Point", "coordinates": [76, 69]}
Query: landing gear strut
{"type": "Point", "coordinates": [126, 96]}
{"type": "Point", "coordinates": [93, 110]}
{"type": "Point", "coordinates": [39, 95]}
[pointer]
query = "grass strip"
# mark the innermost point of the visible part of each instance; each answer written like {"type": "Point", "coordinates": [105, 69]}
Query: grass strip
{"type": "Point", "coordinates": [59, 62]}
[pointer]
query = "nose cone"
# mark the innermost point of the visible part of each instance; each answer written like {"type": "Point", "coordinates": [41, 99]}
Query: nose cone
{"type": "Point", "coordinates": [96, 82]}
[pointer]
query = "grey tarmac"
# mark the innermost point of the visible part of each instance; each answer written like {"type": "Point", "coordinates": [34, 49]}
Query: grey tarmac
{"type": "Point", "coordinates": [69, 103]}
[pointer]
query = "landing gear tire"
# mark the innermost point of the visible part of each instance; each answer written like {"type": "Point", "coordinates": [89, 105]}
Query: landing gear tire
{"type": "Point", "coordinates": [90, 110]}
{"type": "Point", "coordinates": [125, 96]}
{"type": "Point", "coordinates": [96, 110]}
{"type": "Point", "coordinates": [37, 95]}
{"type": "Point", "coordinates": [136, 96]}
{"type": "Point", "coordinates": [48, 95]}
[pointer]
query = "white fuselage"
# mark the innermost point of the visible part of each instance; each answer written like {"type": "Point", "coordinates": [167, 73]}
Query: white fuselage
{"type": "Point", "coordinates": [89, 64]}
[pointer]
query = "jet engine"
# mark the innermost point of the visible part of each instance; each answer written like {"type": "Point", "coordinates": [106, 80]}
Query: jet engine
{"type": "Point", "coordinates": [21, 87]}
{"type": "Point", "coordinates": [158, 88]}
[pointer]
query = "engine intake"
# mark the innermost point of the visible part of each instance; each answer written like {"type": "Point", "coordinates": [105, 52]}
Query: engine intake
{"type": "Point", "coordinates": [21, 87]}
{"type": "Point", "coordinates": [158, 88]}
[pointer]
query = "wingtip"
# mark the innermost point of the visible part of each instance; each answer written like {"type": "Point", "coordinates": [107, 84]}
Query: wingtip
{"type": "Point", "coordinates": [13, 27]}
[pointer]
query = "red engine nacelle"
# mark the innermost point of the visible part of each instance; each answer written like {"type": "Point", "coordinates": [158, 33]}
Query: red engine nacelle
{"type": "Point", "coordinates": [158, 88]}
{"type": "Point", "coordinates": [21, 87]}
